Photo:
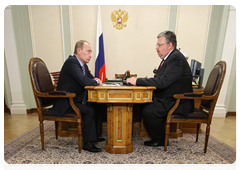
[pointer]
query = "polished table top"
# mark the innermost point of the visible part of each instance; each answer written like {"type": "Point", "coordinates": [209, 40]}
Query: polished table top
{"type": "Point", "coordinates": [123, 87]}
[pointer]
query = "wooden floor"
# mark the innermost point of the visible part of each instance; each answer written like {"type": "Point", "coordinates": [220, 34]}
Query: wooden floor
{"type": "Point", "coordinates": [223, 129]}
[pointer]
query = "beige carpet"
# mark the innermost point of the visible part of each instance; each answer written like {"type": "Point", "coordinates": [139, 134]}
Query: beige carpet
{"type": "Point", "coordinates": [26, 149]}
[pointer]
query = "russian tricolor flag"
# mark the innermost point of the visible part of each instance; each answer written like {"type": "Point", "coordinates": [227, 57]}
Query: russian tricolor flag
{"type": "Point", "coordinates": [100, 71]}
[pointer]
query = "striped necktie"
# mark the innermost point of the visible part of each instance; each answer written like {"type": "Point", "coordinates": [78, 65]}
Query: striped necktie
{"type": "Point", "coordinates": [84, 101]}
{"type": "Point", "coordinates": [83, 70]}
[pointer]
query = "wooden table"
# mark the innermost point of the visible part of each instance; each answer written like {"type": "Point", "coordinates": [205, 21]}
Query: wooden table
{"type": "Point", "coordinates": [120, 100]}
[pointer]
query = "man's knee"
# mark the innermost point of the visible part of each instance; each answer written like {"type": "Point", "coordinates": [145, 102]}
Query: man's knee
{"type": "Point", "coordinates": [91, 113]}
{"type": "Point", "coordinates": [147, 111]}
{"type": "Point", "coordinates": [87, 111]}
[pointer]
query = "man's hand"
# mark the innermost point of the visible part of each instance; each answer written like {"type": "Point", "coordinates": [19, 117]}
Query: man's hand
{"type": "Point", "coordinates": [99, 81]}
{"type": "Point", "coordinates": [132, 81]}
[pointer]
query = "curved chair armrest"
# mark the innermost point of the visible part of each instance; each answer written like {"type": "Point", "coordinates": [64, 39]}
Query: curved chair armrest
{"type": "Point", "coordinates": [170, 112]}
{"type": "Point", "coordinates": [56, 94]}
{"type": "Point", "coordinates": [59, 93]}
{"type": "Point", "coordinates": [75, 108]}
{"type": "Point", "coordinates": [198, 96]}
{"type": "Point", "coordinates": [194, 96]}
{"type": "Point", "coordinates": [179, 97]}
{"type": "Point", "coordinates": [188, 96]}
{"type": "Point", "coordinates": [62, 94]}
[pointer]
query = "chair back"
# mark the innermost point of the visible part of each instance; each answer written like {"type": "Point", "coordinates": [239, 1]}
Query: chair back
{"type": "Point", "coordinates": [122, 76]}
{"type": "Point", "coordinates": [41, 81]}
{"type": "Point", "coordinates": [214, 84]}
{"type": "Point", "coordinates": [55, 76]}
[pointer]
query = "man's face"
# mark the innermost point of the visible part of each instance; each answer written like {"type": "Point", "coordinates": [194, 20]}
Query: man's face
{"type": "Point", "coordinates": [85, 54]}
{"type": "Point", "coordinates": [163, 47]}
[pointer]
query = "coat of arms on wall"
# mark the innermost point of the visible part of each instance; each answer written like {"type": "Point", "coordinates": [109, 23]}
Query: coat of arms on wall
{"type": "Point", "coordinates": [119, 19]}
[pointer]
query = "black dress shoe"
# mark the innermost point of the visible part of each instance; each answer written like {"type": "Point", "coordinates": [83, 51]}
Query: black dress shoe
{"type": "Point", "coordinates": [99, 140]}
{"type": "Point", "coordinates": [155, 143]}
{"type": "Point", "coordinates": [88, 146]}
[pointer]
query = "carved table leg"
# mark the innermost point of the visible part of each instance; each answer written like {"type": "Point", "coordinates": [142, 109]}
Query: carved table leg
{"type": "Point", "coordinates": [119, 128]}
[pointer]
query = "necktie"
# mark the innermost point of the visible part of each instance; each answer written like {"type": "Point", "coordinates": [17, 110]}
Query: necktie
{"type": "Point", "coordinates": [83, 70]}
{"type": "Point", "coordinates": [84, 101]}
{"type": "Point", "coordinates": [160, 65]}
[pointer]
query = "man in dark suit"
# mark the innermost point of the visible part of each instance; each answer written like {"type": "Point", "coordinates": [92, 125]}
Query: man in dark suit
{"type": "Point", "coordinates": [74, 76]}
{"type": "Point", "coordinates": [173, 77]}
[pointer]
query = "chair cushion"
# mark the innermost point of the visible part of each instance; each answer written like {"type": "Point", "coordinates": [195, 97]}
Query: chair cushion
{"type": "Point", "coordinates": [46, 113]}
{"type": "Point", "coordinates": [195, 114]}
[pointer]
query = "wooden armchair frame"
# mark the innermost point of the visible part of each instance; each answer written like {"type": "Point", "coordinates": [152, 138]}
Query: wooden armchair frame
{"type": "Point", "coordinates": [44, 97]}
{"type": "Point", "coordinates": [208, 102]}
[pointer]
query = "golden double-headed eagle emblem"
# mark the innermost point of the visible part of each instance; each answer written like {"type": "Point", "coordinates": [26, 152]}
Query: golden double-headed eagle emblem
{"type": "Point", "coordinates": [119, 19]}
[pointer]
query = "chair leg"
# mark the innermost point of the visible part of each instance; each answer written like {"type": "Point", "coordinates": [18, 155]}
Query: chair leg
{"type": "Point", "coordinates": [42, 133]}
{"type": "Point", "coordinates": [206, 138]}
{"type": "Point", "coordinates": [198, 128]}
{"type": "Point", "coordinates": [79, 137]}
{"type": "Point", "coordinates": [56, 129]}
{"type": "Point", "coordinates": [166, 136]}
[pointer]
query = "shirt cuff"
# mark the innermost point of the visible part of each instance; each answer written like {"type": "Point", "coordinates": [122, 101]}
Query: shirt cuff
{"type": "Point", "coordinates": [97, 82]}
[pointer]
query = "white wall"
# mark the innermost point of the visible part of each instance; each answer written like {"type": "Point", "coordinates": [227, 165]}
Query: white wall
{"type": "Point", "coordinates": [191, 30]}
{"type": "Point", "coordinates": [47, 38]}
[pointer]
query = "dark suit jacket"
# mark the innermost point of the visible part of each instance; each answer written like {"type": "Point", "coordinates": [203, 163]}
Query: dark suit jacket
{"type": "Point", "coordinates": [173, 77]}
{"type": "Point", "coordinates": [72, 79]}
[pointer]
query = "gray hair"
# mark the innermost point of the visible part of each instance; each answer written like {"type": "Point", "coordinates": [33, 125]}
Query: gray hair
{"type": "Point", "coordinates": [170, 37]}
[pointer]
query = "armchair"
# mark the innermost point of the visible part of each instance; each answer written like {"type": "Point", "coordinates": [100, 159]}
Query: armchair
{"type": "Point", "coordinates": [44, 94]}
{"type": "Point", "coordinates": [208, 102]}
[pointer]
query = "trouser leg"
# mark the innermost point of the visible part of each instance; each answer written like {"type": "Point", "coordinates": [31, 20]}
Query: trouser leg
{"type": "Point", "coordinates": [154, 123]}
{"type": "Point", "coordinates": [91, 122]}
{"type": "Point", "coordinates": [98, 117]}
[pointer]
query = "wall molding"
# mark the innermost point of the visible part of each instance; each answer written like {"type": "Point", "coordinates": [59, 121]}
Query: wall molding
{"type": "Point", "coordinates": [33, 110]}
{"type": "Point", "coordinates": [230, 114]}
{"type": "Point", "coordinates": [32, 31]}
{"type": "Point", "coordinates": [17, 106]}
{"type": "Point", "coordinates": [228, 53]}
{"type": "Point", "coordinates": [71, 26]}
{"type": "Point", "coordinates": [206, 42]}
{"type": "Point", "coordinates": [220, 110]}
